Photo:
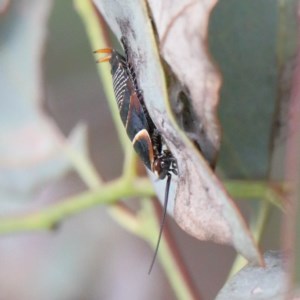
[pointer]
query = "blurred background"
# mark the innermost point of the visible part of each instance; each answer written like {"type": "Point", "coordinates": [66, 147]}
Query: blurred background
{"type": "Point", "coordinates": [89, 256]}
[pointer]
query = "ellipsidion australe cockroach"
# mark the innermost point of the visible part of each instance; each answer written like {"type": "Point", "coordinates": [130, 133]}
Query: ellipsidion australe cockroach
{"type": "Point", "coordinates": [145, 137]}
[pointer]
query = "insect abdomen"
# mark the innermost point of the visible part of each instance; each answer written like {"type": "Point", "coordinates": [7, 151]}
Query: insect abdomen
{"type": "Point", "coordinates": [131, 110]}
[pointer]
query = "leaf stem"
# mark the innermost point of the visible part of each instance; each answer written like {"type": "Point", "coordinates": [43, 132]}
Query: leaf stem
{"type": "Point", "coordinates": [246, 189]}
{"type": "Point", "coordinates": [84, 167]}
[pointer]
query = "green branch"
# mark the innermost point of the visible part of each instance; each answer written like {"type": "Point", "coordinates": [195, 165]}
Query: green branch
{"type": "Point", "coordinates": [51, 216]}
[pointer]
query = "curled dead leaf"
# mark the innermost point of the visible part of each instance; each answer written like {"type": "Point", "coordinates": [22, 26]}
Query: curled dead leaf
{"type": "Point", "coordinates": [202, 206]}
{"type": "Point", "coordinates": [182, 32]}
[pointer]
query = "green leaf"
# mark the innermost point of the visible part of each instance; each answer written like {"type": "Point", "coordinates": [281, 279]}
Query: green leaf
{"type": "Point", "coordinates": [243, 40]}
{"type": "Point", "coordinates": [254, 282]}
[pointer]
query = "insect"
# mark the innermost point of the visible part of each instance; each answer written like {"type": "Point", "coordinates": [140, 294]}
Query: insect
{"type": "Point", "coordinates": [145, 137]}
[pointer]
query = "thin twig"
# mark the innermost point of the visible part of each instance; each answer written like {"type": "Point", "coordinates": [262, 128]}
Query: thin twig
{"type": "Point", "coordinates": [51, 216]}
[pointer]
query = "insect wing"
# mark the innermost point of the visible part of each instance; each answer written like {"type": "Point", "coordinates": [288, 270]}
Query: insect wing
{"type": "Point", "coordinates": [137, 128]}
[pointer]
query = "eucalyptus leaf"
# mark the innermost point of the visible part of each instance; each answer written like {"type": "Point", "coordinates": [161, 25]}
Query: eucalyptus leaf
{"type": "Point", "coordinates": [32, 148]}
{"type": "Point", "coordinates": [256, 283]}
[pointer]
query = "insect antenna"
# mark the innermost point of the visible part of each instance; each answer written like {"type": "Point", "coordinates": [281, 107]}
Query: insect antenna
{"type": "Point", "coordinates": [162, 221]}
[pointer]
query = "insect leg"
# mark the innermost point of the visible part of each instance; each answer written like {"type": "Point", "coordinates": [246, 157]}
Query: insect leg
{"type": "Point", "coordinates": [106, 58]}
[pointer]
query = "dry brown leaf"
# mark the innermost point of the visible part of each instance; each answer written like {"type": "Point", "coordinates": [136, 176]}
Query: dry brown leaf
{"type": "Point", "coordinates": [182, 30]}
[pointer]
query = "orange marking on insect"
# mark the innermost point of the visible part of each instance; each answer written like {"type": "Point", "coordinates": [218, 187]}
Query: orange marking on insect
{"type": "Point", "coordinates": [144, 135]}
{"type": "Point", "coordinates": [134, 103]}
